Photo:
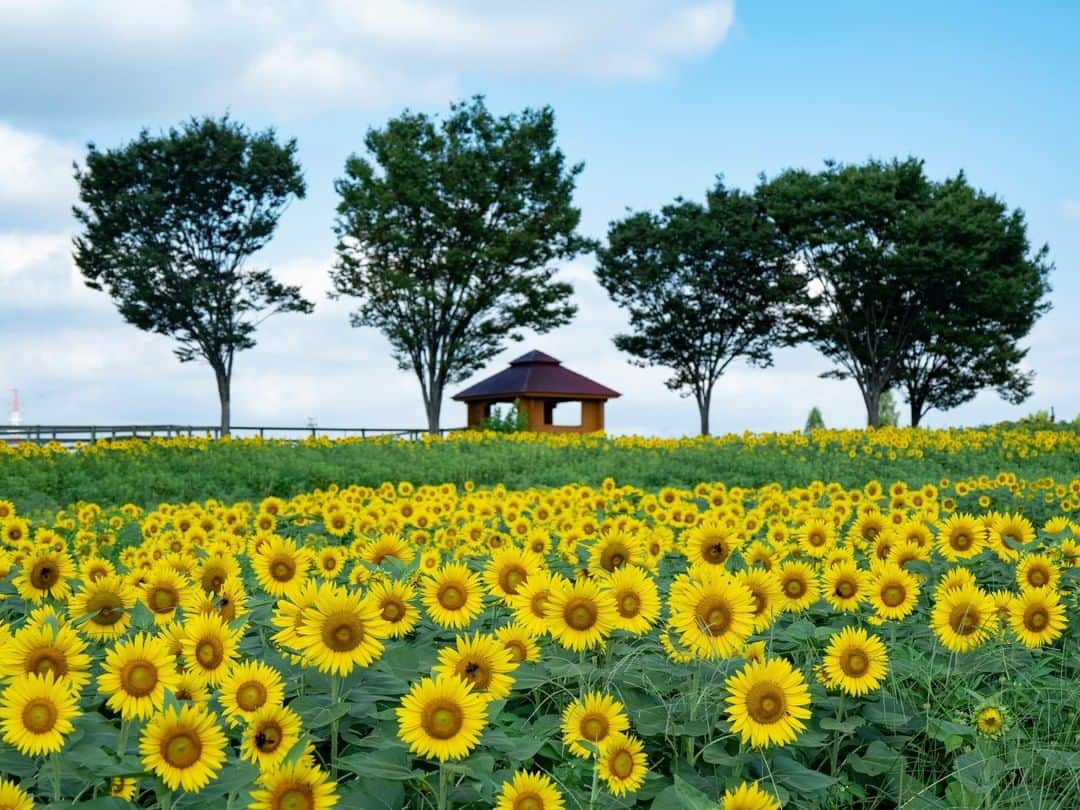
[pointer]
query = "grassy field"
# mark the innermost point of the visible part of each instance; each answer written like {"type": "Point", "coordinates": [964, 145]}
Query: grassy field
{"type": "Point", "coordinates": [847, 620]}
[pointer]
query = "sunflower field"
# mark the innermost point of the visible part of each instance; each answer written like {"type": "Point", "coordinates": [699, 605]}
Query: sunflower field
{"type": "Point", "coordinates": [425, 642]}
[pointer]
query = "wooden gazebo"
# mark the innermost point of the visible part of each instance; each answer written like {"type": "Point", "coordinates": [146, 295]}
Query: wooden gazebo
{"type": "Point", "coordinates": [540, 383]}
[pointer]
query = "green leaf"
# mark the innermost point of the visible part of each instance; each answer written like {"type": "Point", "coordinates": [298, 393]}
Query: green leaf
{"type": "Point", "coordinates": [879, 759]}
{"type": "Point", "coordinates": [846, 726]}
{"type": "Point", "coordinates": [683, 796]}
{"type": "Point", "coordinates": [393, 764]}
{"type": "Point", "coordinates": [798, 778]}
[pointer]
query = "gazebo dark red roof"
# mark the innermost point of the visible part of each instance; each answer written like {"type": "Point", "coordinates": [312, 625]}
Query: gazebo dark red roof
{"type": "Point", "coordinates": [539, 382]}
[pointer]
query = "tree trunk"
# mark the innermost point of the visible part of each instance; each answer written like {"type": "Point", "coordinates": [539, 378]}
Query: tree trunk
{"type": "Point", "coordinates": [704, 400]}
{"type": "Point", "coordinates": [872, 399]}
{"type": "Point", "coordinates": [433, 406]}
{"type": "Point", "coordinates": [916, 412]}
{"type": "Point", "coordinates": [223, 397]}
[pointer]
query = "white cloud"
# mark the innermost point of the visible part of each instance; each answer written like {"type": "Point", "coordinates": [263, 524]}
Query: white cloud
{"type": "Point", "coordinates": [1071, 209]}
{"type": "Point", "coordinates": [35, 175]}
{"type": "Point", "coordinates": [298, 57]}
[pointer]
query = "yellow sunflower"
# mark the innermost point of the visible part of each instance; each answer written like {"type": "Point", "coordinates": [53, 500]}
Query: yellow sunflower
{"type": "Point", "coordinates": [963, 618]}
{"type": "Point", "coordinates": [250, 686]}
{"type": "Point", "coordinates": [38, 648]}
{"type": "Point", "coordinates": [894, 592]}
{"type": "Point", "coordinates": [453, 596]}
{"type": "Point", "coordinates": [588, 722]}
{"type": "Point", "coordinates": [269, 735]}
{"type": "Point", "coordinates": [990, 718]}
{"type": "Point", "coordinates": [185, 747]}
{"type": "Point", "coordinates": [581, 615]}
{"type": "Point", "coordinates": [637, 599]}
{"type": "Point", "coordinates": [164, 591]}
{"type": "Point", "coordinates": [45, 572]}
{"type": "Point", "coordinates": [855, 661]}
{"type": "Point", "coordinates": [713, 614]}
{"type": "Point", "coordinates": [214, 570]}
{"type": "Point", "coordinates": [1037, 571]}
{"type": "Point", "coordinates": [520, 642]}
{"type": "Point", "coordinates": [36, 713]}
{"type": "Point", "coordinates": [280, 567]}
{"type": "Point", "coordinates": [768, 702]}
{"type": "Point", "coordinates": [748, 797]}
{"type": "Point", "coordinates": [710, 543]}
{"type": "Point", "coordinates": [210, 647]}
{"type": "Point", "coordinates": [765, 591]}
{"type": "Point", "coordinates": [529, 791]}
{"type": "Point", "coordinates": [299, 785]}
{"type": "Point", "coordinates": [388, 546]}
{"type": "Point", "coordinates": [816, 537]}
{"type": "Point", "coordinates": [1037, 616]}
{"type": "Point", "coordinates": [122, 787]}
{"type": "Point", "coordinates": [136, 674]}
{"type": "Point", "coordinates": [530, 602]}
{"type": "Point", "coordinates": [102, 609]}
{"type": "Point", "coordinates": [330, 561]}
{"type": "Point", "coordinates": [845, 586]}
{"type": "Point", "coordinates": [509, 569]}
{"type": "Point", "coordinates": [442, 718]}
{"type": "Point", "coordinates": [614, 548]}
{"type": "Point", "coordinates": [482, 662]}
{"type": "Point", "coordinates": [622, 764]}
{"type": "Point", "coordinates": [396, 604]}
{"type": "Point", "coordinates": [960, 537]}
{"type": "Point", "coordinates": [799, 586]}
{"type": "Point", "coordinates": [341, 631]}
{"type": "Point", "coordinates": [13, 797]}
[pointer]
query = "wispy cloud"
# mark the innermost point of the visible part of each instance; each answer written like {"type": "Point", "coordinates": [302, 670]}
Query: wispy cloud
{"type": "Point", "coordinates": [1071, 209]}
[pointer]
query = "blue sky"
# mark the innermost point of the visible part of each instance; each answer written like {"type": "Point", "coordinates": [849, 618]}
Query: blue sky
{"type": "Point", "coordinates": [657, 98]}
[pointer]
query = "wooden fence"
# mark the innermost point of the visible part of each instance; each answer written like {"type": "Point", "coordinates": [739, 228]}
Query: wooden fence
{"type": "Point", "coordinates": [73, 434]}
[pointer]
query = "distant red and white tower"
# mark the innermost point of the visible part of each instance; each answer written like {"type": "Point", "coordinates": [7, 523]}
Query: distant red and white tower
{"type": "Point", "coordinates": [14, 416]}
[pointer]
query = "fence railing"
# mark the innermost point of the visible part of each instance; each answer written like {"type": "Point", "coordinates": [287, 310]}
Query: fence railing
{"type": "Point", "coordinates": [74, 434]}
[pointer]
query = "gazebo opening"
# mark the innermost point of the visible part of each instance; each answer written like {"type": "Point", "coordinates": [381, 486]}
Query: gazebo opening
{"type": "Point", "coordinates": [554, 398]}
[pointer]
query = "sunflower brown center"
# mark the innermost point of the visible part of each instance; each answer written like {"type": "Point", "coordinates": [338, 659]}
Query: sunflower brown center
{"type": "Point", "coordinates": [594, 727]}
{"type": "Point", "coordinates": [518, 651]}
{"type": "Point", "coordinates": [451, 597]}
{"type": "Point", "coordinates": [251, 696]}
{"type": "Point", "coordinates": [475, 672]}
{"type": "Point", "coordinates": [181, 749]}
{"type": "Point", "coordinates": [392, 611]}
{"type": "Point", "coordinates": [580, 614]}
{"type": "Point", "coordinates": [210, 653]}
{"type": "Point", "coordinates": [47, 659]}
{"type": "Point", "coordinates": [629, 605]}
{"type": "Point", "coordinates": [295, 797]}
{"type": "Point", "coordinates": [816, 539]}
{"type": "Point", "coordinates": [1036, 618]}
{"type": "Point", "coordinates": [342, 633]}
{"type": "Point", "coordinates": [845, 589]}
{"type": "Point", "coordinates": [964, 619]}
{"type": "Point", "coordinates": [442, 720]}
{"type": "Point", "coordinates": [893, 595]}
{"type": "Point", "coordinates": [43, 575]}
{"type": "Point", "coordinates": [163, 599]}
{"type": "Point", "coordinates": [622, 764]}
{"type": "Point", "coordinates": [39, 716]}
{"type": "Point", "coordinates": [854, 663]}
{"type": "Point", "coordinates": [268, 738]}
{"type": "Point", "coordinates": [961, 541]}
{"type": "Point", "coordinates": [715, 553]}
{"type": "Point", "coordinates": [614, 557]}
{"type": "Point", "coordinates": [105, 609]}
{"type": "Point", "coordinates": [283, 570]}
{"type": "Point", "coordinates": [765, 703]}
{"type": "Point", "coordinates": [139, 678]}
{"type": "Point", "coordinates": [714, 616]}
{"type": "Point", "coordinates": [795, 588]}
{"type": "Point", "coordinates": [538, 603]}
{"type": "Point", "coordinates": [512, 578]}
{"type": "Point", "coordinates": [1037, 577]}
{"type": "Point", "coordinates": [528, 801]}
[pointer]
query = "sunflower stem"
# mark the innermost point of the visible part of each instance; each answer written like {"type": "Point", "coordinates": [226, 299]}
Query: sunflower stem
{"type": "Point", "coordinates": [335, 691]}
{"type": "Point", "coordinates": [595, 780]}
{"type": "Point", "coordinates": [442, 787]}
{"type": "Point", "coordinates": [56, 776]}
{"type": "Point", "coordinates": [121, 741]}
{"type": "Point", "coordinates": [835, 754]}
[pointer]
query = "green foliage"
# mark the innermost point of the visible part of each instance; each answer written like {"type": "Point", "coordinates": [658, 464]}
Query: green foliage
{"type": "Point", "coordinates": [169, 223]}
{"type": "Point", "coordinates": [449, 234]}
{"type": "Point", "coordinates": [814, 420]}
{"type": "Point", "coordinates": [514, 420]}
{"type": "Point", "coordinates": [910, 283]}
{"type": "Point", "coordinates": [702, 284]}
{"type": "Point", "coordinates": [888, 413]}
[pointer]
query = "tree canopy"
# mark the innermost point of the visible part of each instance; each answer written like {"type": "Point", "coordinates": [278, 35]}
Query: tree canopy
{"type": "Point", "coordinates": [909, 283]}
{"type": "Point", "coordinates": [449, 231]}
{"type": "Point", "coordinates": [702, 285]}
{"type": "Point", "coordinates": [169, 223]}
